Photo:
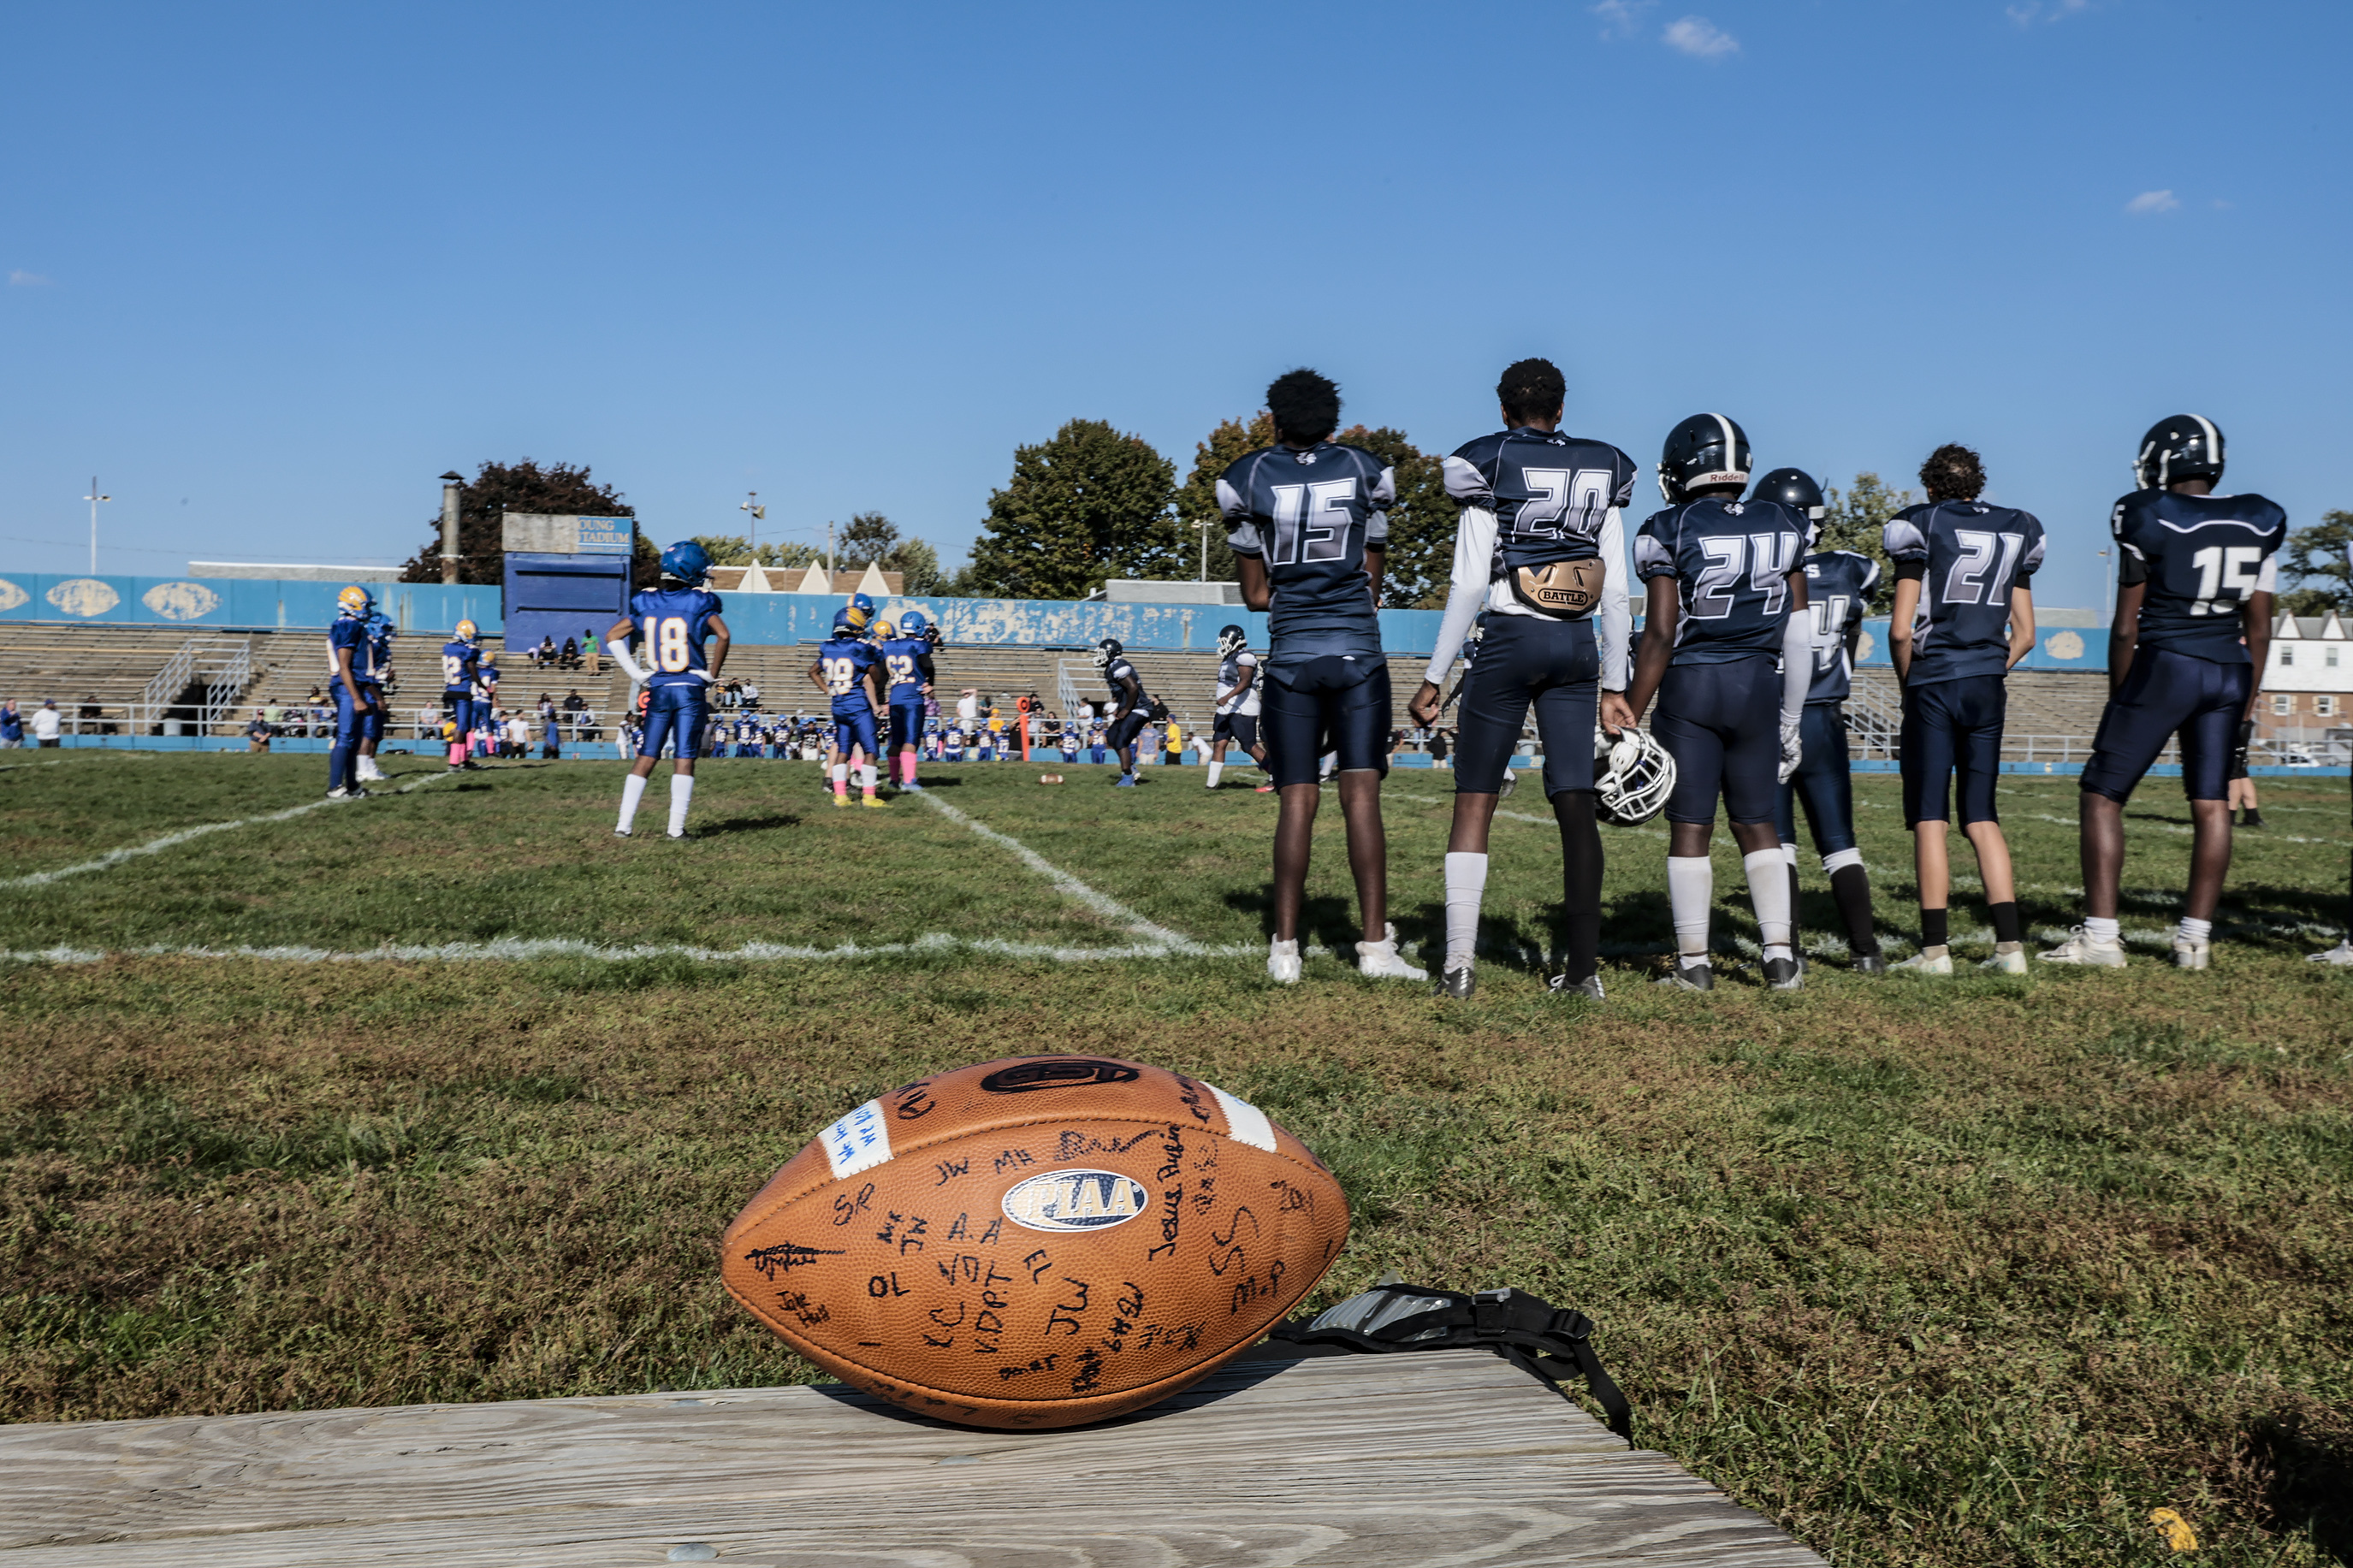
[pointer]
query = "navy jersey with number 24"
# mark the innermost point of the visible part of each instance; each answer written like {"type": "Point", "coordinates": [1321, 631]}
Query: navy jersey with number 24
{"type": "Point", "coordinates": [1731, 561]}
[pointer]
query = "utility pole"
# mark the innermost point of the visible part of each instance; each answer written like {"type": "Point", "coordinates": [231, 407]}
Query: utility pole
{"type": "Point", "coordinates": [829, 550]}
{"type": "Point", "coordinates": [451, 483]}
{"type": "Point", "coordinates": [752, 504]}
{"type": "Point", "coordinates": [94, 497]}
{"type": "Point", "coordinates": [1205, 550]}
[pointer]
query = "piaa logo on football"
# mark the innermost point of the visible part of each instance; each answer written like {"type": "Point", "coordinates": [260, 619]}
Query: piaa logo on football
{"type": "Point", "coordinates": [1074, 1200]}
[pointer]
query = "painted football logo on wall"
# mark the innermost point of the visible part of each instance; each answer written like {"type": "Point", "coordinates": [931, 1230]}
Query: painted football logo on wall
{"type": "Point", "coordinates": [83, 596]}
{"type": "Point", "coordinates": [181, 601]}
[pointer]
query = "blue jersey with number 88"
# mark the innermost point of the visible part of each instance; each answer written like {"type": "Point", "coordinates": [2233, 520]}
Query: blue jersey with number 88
{"type": "Point", "coordinates": [673, 624]}
{"type": "Point", "coordinates": [843, 663]}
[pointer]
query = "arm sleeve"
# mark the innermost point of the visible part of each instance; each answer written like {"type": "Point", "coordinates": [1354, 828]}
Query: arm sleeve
{"type": "Point", "coordinates": [1797, 664]}
{"type": "Point", "coordinates": [1912, 569]}
{"type": "Point", "coordinates": [2031, 562]}
{"type": "Point", "coordinates": [1475, 550]}
{"type": "Point", "coordinates": [1241, 533]}
{"type": "Point", "coordinates": [620, 655]}
{"type": "Point", "coordinates": [1380, 498]}
{"type": "Point", "coordinates": [2267, 574]}
{"type": "Point", "coordinates": [1615, 621]}
{"type": "Point", "coordinates": [2131, 570]}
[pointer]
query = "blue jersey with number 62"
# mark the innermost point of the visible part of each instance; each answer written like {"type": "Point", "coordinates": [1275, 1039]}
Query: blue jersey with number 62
{"type": "Point", "coordinates": [1731, 561]}
{"type": "Point", "coordinates": [672, 624]}
{"type": "Point", "coordinates": [1968, 556]}
{"type": "Point", "coordinates": [906, 666]}
{"type": "Point", "coordinates": [843, 663]}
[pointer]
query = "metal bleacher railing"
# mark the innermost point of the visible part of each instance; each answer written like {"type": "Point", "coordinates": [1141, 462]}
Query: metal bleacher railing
{"type": "Point", "coordinates": [214, 670]}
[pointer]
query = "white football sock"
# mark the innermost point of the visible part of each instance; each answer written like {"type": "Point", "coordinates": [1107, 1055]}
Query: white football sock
{"type": "Point", "coordinates": [633, 790]}
{"type": "Point", "coordinates": [866, 778]}
{"type": "Point", "coordinates": [2102, 928]}
{"type": "Point", "coordinates": [1214, 769]}
{"type": "Point", "coordinates": [681, 791]}
{"type": "Point", "coordinates": [1789, 854]}
{"type": "Point", "coordinates": [1769, 894]}
{"type": "Point", "coordinates": [2197, 930]}
{"type": "Point", "coordinates": [841, 778]}
{"type": "Point", "coordinates": [1466, 880]}
{"type": "Point", "coordinates": [1839, 859]}
{"type": "Point", "coordinates": [1691, 889]}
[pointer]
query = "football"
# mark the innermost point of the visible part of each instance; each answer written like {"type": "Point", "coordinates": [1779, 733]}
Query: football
{"type": "Point", "coordinates": [1037, 1242]}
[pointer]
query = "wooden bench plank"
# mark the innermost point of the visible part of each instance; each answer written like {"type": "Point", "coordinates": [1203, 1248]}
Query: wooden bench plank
{"type": "Point", "coordinates": [1449, 1457]}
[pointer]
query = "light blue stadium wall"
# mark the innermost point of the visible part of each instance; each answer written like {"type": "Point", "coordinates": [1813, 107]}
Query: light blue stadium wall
{"type": "Point", "coordinates": [231, 603]}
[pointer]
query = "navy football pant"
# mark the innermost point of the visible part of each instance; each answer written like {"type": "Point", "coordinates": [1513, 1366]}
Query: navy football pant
{"type": "Point", "coordinates": [1524, 660]}
{"type": "Point", "coordinates": [1952, 727]}
{"type": "Point", "coordinates": [2166, 693]}
{"type": "Point", "coordinates": [856, 728]}
{"type": "Point", "coordinates": [677, 713]}
{"type": "Point", "coordinates": [1722, 723]}
{"type": "Point", "coordinates": [1325, 705]}
{"type": "Point", "coordinates": [1822, 781]}
{"type": "Point", "coordinates": [1123, 731]}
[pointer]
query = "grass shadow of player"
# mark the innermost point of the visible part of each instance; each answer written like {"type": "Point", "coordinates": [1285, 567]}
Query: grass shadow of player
{"type": "Point", "coordinates": [1328, 921]}
{"type": "Point", "coordinates": [750, 824]}
{"type": "Point", "coordinates": [2307, 1481]}
{"type": "Point", "coordinates": [1236, 1376]}
{"type": "Point", "coordinates": [940, 781]}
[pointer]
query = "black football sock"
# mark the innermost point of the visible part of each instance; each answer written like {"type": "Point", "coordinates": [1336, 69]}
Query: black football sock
{"type": "Point", "coordinates": [1851, 886]}
{"type": "Point", "coordinates": [1581, 883]}
{"type": "Point", "coordinates": [2005, 921]}
{"type": "Point", "coordinates": [1794, 921]}
{"type": "Point", "coordinates": [1933, 927]}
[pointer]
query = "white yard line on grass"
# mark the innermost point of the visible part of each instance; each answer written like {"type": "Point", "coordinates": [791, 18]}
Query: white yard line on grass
{"type": "Point", "coordinates": [1070, 887]}
{"type": "Point", "coordinates": [517, 950]}
{"type": "Point", "coordinates": [170, 840]}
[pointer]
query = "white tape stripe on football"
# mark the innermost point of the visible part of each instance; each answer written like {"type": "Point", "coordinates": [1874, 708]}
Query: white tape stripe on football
{"type": "Point", "coordinates": [1245, 1122]}
{"type": "Point", "coordinates": [860, 1141]}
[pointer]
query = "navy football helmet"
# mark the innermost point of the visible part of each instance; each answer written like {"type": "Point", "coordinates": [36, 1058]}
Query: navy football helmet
{"type": "Point", "coordinates": [1704, 449]}
{"type": "Point", "coordinates": [2186, 447]}
{"type": "Point", "coordinates": [1231, 640]}
{"type": "Point", "coordinates": [1106, 651]}
{"type": "Point", "coordinates": [688, 562]}
{"type": "Point", "coordinates": [1793, 488]}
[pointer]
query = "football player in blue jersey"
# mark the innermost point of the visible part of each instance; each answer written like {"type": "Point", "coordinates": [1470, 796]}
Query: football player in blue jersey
{"type": "Point", "coordinates": [1838, 586]}
{"type": "Point", "coordinates": [1235, 704]}
{"type": "Point", "coordinates": [1132, 707]}
{"type": "Point", "coordinates": [1964, 614]}
{"type": "Point", "coordinates": [461, 672]}
{"type": "Point", "coordinates": [2195, 584]}
{"type": "Point", "coordinates": [1540, 552]}
{"type": "Point", "coordinates": [1309, 521]}
{"type": "Point", "coordinates": [673, 621]}
{"type": "Point", "coordinates": [380, 634]}
{"type": "Point", "coordinates": [849, 669]}
{"type": "Point", "coordinates": [351, 682]}
{"type": "Point", "coordinates": [907, 671]}
{"type": "Point", "coordinates": [1726, 647]}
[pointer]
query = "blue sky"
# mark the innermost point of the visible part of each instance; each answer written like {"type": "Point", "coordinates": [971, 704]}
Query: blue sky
{"type": "Point", "coordinates": [272, 269]}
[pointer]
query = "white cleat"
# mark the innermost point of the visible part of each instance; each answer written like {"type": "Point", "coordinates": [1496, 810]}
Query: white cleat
{"type": "Point", "coordinates": [2192, 952]}
{"type": "Point", "coordinates": [2342, 954]}
{"type": "Point", "coordinates": [2006, 962]}
{"type": "Point", "coordinates": [2082, 947]}
{"type": "Point", "coordinates": [1380, 960]}
{"type": "Point", "coordinates": [1921, 964]}
{"type": "Point", "coordinates": [1282, 963]}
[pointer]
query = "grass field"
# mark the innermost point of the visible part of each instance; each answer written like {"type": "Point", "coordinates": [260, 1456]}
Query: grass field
{"type": "Point", "coordinates": [1948, 1272]}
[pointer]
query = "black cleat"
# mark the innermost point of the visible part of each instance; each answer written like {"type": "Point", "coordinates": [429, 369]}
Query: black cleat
{"type": "Point", "coordinates": [1684, 977]}
{"type": "Point", "coordinates": [1784, 974]}
{"type": "Point", "coordinates": [1456, 983]}
{"type": "Point", "coordinates": [1871, 963]}
{"type": "Point", "coordinates": [1562, 986]}
{"type": "Point", "coordinates": [2250, 818]}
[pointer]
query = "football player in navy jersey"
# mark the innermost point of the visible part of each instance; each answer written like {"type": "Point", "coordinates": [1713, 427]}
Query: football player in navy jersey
{"type": "Point", "coordinates": [1726, 647]}
{"type": "Point", "coordinates": [849, 669]}
{"type": "Point", "coordinates": [2196, 576]}
{"type": "Point", "coordinates": [1310, 529]}
{"type": "Point", "coordinates": [1838, 586]}
{"type": "Point", "coordinates": [1236, 703]}
{"type": "Point", "coordinates": [461, 673]}
{"type": "Point", "coordinates": [1540, 552]}
{"type": "Point", "coordinates": [351, 681]}
{"type": "Point", "coordinates": [673, 620]}
{"type": "Point", "coordinates": [1964, 614]}
{"type": "Point", "coordinates": [907, 669]}
{"type": "Point", "coordinates": [1131, 707]}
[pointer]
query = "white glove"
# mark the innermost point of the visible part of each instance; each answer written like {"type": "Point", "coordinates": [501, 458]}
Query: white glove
{"type": "Point", "coordinates": [1793, 750]}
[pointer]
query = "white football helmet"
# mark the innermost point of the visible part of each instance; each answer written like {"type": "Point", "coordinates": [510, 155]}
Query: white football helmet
{"type": "Point", "coordinates": [1633, 775]}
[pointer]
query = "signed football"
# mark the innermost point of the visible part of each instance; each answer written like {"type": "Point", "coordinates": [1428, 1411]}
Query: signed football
{"type": "Point", "coordinates": [1037, 1242]}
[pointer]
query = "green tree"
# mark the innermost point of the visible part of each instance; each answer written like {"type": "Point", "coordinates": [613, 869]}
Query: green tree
{"type": "Point", "coordinates": [497, 489]}
{"type": "Point", "coordinates": [2318, 578]}
{"type": "Point", "coordinates": [872, 537]}
{"type": "Point", "coordinates": [1852, 521]}
{"type": "Point", "coordinates": [1091, 504]}
{"type": "Point", "coordinates": [1197, 502]}
{"type": "Point", "coordinates": [735, 550]}
{"type": "Point", "coordinates": [1421, 522]}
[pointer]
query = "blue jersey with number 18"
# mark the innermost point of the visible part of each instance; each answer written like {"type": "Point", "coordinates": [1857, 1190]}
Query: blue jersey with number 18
{"type": "Point", "coordinates": [674, 622]}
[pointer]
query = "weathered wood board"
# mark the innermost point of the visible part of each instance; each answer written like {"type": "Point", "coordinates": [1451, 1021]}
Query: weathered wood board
{"type": "Point", "coordinates": [1445, 1458]}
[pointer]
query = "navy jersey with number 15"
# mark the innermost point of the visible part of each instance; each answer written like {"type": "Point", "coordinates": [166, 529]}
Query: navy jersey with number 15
{"type": "Point", "coordinates": [674, 623]}
{"type": "Point", "coordinates": [1839, 585]}
{"type": "Point", "coordinates": [1731, 561]}
{"type": "Point", "coordinates": [1310, 516]}
{"type": "Point", "coordinates": [1968, 556]}
{"type": "Point", "coordinates": [2202, 556]}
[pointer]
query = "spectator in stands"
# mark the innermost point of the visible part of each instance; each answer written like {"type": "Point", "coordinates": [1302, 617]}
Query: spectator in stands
{"type": "Point", "coordinates": [751, 695]}
{"type": "Point", "coordinates": [590, 651]}
{"type": "Point", "coordinates": [12, 727]}
{"type": "Point", "coordinates": [1175, 743]}
{"type": "Point", "coordinates": [570, 658]}
{"type": "Point", "coordinates": [544, 654]}
{"type": "Point", "coordinates": [429, 723]}
{"type": "Point", "coordinates": [257, 734]}
{"type": "Point", "coordinates": [968, 707]}
{"type": "Point", "coordinates": [87, 718]}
